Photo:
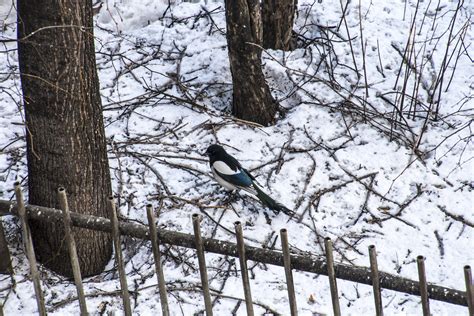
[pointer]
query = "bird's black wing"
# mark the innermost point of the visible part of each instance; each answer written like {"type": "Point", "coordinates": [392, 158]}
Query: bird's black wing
{"type": "Point", "coordinates": [240, 179]}
{"type": "Point", "coordinates": [231, 162]}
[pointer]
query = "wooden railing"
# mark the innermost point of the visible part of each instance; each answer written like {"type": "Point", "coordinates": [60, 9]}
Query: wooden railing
{"type": "Point", "coordinates": [371, 276]}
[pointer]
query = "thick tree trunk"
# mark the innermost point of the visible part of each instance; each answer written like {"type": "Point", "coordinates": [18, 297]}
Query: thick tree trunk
{"type": "Point", "coordinates": [278, 19]}
{"type": "Point", "coordinates": [66, 143]}
{"type": "Point", "coordinates": [252, 99]}
{"type": "Point", "coordinates": [5, 260]}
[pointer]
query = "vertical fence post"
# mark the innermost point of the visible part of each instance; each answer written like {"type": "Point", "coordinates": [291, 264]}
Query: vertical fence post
{"type": "Point", "coordinates": [374, 272]}
{"type": "Point", "coordinates": [71, 243]}
{"type": "Point", "coordinates": [118, 257]}
{"type": "Point", "coordinates": [332, 277]}
{"type": "Point", "coordinates": [243, 268]}
{"type": "Point", "coordinates": [202, 263]}
{"type": "Point", "coordinates": [469, 289]}
{"type": "Point", "coordinates": [289, 276]}
{"type": "Point", "coordinates": [155, 246]}
{"type": "Point", "coordinates": [30, 252]}
{"type": "Point", "coordinates": [425, 303]}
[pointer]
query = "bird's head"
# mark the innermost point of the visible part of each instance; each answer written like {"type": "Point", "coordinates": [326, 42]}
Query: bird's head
{"type": "Point", "coordinates": [214, 150]}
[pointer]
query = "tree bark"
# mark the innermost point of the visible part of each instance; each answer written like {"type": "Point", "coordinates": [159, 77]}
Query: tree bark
{"type": "Point", "coordinates": [5, 260]}
{"type": "Point", "coordinates": [278, 20]}
{"type": "Point", "coordinates": [252, 99]}
{"type": "Point", "coordinates": [66, 144]}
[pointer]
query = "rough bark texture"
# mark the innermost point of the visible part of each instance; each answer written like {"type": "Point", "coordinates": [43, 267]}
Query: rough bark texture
{"type": "Point", "coordinates": [252, 99]}
{"type": "Point", "coordinates": [278, 19]}
{"type": "Point", "coordinates": [66, 143]}
{"type": "Point", "coordinates": [302, 263]}
{"type": "Point", "coordinates": [5, 260]}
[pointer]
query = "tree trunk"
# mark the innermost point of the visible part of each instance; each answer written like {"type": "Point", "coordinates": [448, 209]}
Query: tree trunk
{"type": "Point", "coordinates": [252, 99]}
{"type": "Point", "coordinates": [278, 19]}
{"type": "Point", "coordinates": [66, 144]}
{"type": "Point", "coordinates": [5, 260]}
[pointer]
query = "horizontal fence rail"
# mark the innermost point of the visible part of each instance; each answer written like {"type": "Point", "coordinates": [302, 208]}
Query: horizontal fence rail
{"type": "Point", "coordinates": [298, 262]}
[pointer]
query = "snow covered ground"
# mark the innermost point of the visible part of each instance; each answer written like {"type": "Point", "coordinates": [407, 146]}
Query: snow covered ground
{"type": "Point", "coordinates": [166, 88]}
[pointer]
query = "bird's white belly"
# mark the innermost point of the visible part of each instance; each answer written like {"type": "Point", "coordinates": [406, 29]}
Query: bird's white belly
{"type": "Point", "coordinates": [225, 184]}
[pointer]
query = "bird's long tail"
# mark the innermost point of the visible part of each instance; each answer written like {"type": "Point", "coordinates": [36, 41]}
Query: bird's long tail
{"type": "Point", "coordinates": [271, 203]}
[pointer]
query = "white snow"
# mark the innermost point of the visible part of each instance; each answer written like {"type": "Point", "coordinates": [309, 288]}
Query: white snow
{"type": "Point", "coordinates": [143, 47]}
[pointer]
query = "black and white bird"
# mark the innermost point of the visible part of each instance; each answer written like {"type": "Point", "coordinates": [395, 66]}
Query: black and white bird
{"type": "Point", "coordinates": [232, 176]}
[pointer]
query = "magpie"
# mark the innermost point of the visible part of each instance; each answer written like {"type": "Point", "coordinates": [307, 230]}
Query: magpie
{"type": "Point", "coordinates": [230, 174]}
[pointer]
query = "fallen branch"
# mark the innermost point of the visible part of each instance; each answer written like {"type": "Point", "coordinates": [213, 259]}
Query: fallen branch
{"type": "Point", "coordinates": [458, 218]}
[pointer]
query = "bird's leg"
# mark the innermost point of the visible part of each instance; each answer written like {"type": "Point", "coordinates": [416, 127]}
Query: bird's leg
{"type": "Point", "coordinates": [231, 197]}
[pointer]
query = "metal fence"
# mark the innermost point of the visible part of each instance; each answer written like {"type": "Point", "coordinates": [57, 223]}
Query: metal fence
{"type": "Point", "coordinates": [372, 276]}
